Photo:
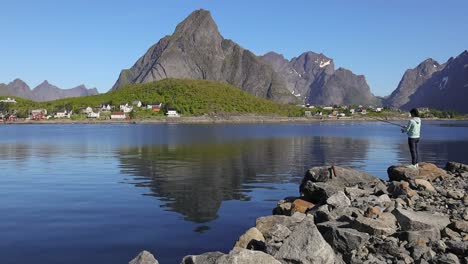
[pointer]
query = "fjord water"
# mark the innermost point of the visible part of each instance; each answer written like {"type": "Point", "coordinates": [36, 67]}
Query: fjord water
{"type": "Point", "coordinates": [102, 193]}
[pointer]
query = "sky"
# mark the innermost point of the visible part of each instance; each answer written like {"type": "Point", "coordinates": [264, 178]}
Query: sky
{"type": "Point", "coordinates": [89, 42]}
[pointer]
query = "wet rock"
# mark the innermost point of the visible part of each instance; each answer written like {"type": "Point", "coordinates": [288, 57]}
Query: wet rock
{"type": "Point", "coordinates": [384, 225]}
{"type": "Point", "coordinates": [411, 220]}
{"type": "Point", "coordinates": [426, 171]}
{"type": "Point", "coordinates": [144, 257]}
{"type": "Point", "coordinates": [305, 245]}
{"type": "Point", "coordinates": [339, 199]}
{"type": "Point", "coordinates": [250, 239]}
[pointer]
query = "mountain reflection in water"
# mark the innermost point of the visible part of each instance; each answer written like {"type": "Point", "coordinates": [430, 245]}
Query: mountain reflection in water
{"type": "Point", "coordinates": [194, 179]}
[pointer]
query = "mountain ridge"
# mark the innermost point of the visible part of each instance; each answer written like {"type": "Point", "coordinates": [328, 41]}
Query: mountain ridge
{"type": "Point", "coordinates": [44, 91]}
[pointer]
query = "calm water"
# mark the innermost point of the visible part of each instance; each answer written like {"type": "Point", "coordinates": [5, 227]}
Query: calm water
{"type": "Point", "coordinates": [102, 193]}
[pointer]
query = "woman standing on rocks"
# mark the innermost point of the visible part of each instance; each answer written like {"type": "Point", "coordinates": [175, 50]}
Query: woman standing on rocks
{"type": "Point", "coordinates": [413, 130]}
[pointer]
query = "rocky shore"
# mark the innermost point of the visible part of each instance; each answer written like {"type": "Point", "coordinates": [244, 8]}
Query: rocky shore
{"type": "Point", "coordinates": [346, 216]}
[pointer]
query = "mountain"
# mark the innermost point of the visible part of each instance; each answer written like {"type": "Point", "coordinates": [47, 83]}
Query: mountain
{"type": "Point", "coordinates": [196, 50]}
{"type": "Point", "coordinates": [412, 79]}
{"type": "Point", "coordinates": [44, 91]}
{"type": "Point", "coordinates": [47, 92]}
{"type": "Point", "coordinates": [443, 87]}
{"type": "Point", "coordinates": [17, 88]}
{"type": "Point", "coordinates": [313, 79]}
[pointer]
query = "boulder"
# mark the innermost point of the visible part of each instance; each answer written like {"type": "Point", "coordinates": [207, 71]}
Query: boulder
{"type": "Point", "coordinates": [459, 248]}
{"type": "Point", "coordinates": [341, 238]}
{"type": "Point", "coordinates": [413, 236]}
{"type": "Point", "coordinates": [356, 192]}
{"type": "Point", "coordinates": [144, 257]}
{"type": "Point", "coordinates": [339, 199]}
{"type": "Point", "coordinates": [456, 167]}
{"type": "Point", "coordinates": [446, 259]}
{"type": "Point", "coordinates": [283, 207]}
{"type": "Point", "coordinates": [401, 189]}
{"type": "Point", "coordinates": [301, 206]}
{"type": "Point", "coordinates": [305, 245]}
{"type": "Point", "coordinates": [426, 171]}
{"type": "Point", "coordinates": [266, 224]}
{"type": "Point", "coordinates": [460, 226]}
{"type": "Point", "coordinates": [384, 225]}
{"type": "Point", "coordinates": [205, 258]}
{"type": "Point", "coordinates": [426, 185]}
{"type": "Point", "coordinates": [250, 238]}
{"type": "Point", "coordinates": [235, 256]}
{"type": "Point", "coordinates": [413, 221]}
{"type": "Point", "coordinates": [320, 183]}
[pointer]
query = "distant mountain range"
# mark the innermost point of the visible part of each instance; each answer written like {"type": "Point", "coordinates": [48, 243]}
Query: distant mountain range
{"type": "Point", "coordinates": [44, 91]}
{"type": "Point", "coordinates": [197, 50]}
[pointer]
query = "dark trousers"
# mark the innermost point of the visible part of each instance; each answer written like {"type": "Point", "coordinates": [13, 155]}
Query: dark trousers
{"type": "Point", "coordinates": [413, 147]}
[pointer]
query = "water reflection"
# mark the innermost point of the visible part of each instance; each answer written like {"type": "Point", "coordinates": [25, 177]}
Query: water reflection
{"type": "Point", "coordinates": [194, 179]}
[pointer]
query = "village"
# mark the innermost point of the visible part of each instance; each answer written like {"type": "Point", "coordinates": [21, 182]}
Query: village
{"type": "Point", "coordinates": [105, 111]}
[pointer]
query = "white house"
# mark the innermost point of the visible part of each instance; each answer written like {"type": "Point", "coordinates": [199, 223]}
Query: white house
{"type": "Point", "coordinates": [137, 103]}
{"type": "Point", "coordinates": [172, 113]}
{"type": "Point", "coordinates": [328, 108]}
{"type": "Point", "coordinates": [352, 111]}
{"type": "Point", "coordinates": [156, 107]}
{"type": "Point", "coordinates": [118, 115]}
{"type": "Point", "coordinates": [378, 109]}
{"type": "Point", "coordinates": [63, 114]}
{"type": "Point", "coordinates": [94, 115]}
{"type": "Point", "coordinates": [126, 108]}
{"type": "Point", "coordinates": [8, 100]}
{"type": "Point", "coordinates": [88, 110]}
{"type": "Point", "coordinates": [106, 108]}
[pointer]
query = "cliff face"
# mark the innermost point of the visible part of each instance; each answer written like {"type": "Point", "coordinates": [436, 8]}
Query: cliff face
{"type": "Point", "coordinates": [432, 85]}
{"type": "Point", "coordinates": [197, 50]}
{"type": "Point", "coordinates": [313, 79]}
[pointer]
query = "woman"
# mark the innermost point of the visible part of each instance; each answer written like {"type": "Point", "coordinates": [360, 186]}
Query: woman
{"type": "Point", "coordinates": [413, 130]}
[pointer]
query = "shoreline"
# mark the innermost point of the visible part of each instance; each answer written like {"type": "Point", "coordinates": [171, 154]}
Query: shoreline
{"type": "Point", "coordinates": [241, 119]}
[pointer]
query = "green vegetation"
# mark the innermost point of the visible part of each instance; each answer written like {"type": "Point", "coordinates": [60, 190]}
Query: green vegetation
{"type": "Point", "coordinates": [188, 97]}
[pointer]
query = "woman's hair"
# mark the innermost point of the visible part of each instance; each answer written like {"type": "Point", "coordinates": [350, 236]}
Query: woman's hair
{"type": "Point", "coordinates": [414, 112]}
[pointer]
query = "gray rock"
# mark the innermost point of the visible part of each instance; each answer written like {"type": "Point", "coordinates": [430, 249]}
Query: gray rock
{"type": "Point", "coordinates": [412, 221]}
{"type": "Point", "coordinates": [144, 258]}
{"type": "Point", "coordinates": [339, 199]}
{"type": "Point", "coordinates": [384, 225]}
{"type": "Point", "coordinates": [356, 192]}
{"type": "Point", "coordinates": [342, 239]}
{"type": "Point", "coordinates": [413, 236]}
{"type": "Point", "coordinates": [235, 256]}
{"type": "Point", "coordinates": [266, 224]}
{"type": "Point", "coordinates": [446, 259]}
{"type": "Point", "coordinates": [447, 232]}
{"type": "Point", "coordinates": [305, 245]}
{"type": "Point", "coordinates": [456, 167]}
{"type": "Point", "coordinates": [459, 248]}
{"type": "Point", "coordinates": [205, 258]}
{"type": "Point", "coordinates": [250, 236]}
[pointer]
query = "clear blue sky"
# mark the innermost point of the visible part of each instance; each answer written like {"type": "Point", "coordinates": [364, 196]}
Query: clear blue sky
{"type": "Point", "coordinates": [90, 41]}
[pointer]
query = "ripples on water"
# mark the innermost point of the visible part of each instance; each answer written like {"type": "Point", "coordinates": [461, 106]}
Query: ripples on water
{"type": "Point", "coordinates": [102, 193]}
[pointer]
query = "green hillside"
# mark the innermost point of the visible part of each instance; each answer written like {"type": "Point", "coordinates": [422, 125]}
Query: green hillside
{"type": "Point", "coordinates": [188, 97]}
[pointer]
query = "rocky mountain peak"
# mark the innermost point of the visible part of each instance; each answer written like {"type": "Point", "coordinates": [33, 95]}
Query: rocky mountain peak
{"type": "Point", "coordinates": [199, 26]}
{"type": "Point", "coordinates": [18, 82]}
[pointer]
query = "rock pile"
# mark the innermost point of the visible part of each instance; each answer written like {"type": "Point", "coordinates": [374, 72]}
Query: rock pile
{"type": "Point", "coordinates": [346, 216]}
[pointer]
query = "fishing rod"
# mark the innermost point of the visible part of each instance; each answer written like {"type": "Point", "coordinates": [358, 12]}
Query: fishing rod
{"type": "Point", "coordinates": [382, 120]}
